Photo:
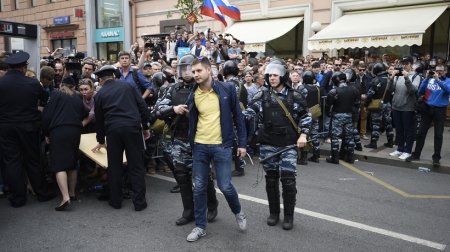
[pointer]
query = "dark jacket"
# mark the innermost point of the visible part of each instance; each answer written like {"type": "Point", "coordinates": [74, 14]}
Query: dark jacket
{"type": "Point", "coordinates": [63, 110]}
{"type": "Point", "coordinates": [118, 105]}
{"type": "Point", "coordinates": [230, 112]}
{"type": "Point", "coordinates": [19, 97]}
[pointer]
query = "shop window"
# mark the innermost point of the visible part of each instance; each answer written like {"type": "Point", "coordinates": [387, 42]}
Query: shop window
{"type": "Point", "coordinates": [69, 45]}
{"type": "Point", "coordinates": [109, 13]}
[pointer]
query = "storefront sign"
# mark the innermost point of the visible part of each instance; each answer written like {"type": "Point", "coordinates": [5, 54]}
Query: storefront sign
{"type": "Point", "coordinates": [109, 35]}
{"type": "Point", "coordinates": [6, 27]}
{"type": "Point", "coordinates": [61, 34]}
{"type": "Point", "coordinates": [61, 20]}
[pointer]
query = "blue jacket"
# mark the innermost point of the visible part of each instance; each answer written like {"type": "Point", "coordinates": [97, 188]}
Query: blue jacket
{"type": "Point", "coordinates": [436, 92]}
{"type": "Point", "coordinates": [230, 115]}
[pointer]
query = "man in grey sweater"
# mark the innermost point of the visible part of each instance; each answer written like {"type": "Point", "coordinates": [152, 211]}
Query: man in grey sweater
{"type": "Point", "coordinates": [405, 89]}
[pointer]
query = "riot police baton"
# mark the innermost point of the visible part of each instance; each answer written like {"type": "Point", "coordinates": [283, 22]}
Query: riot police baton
{"type": "Point", "coordinates": [262, 161]}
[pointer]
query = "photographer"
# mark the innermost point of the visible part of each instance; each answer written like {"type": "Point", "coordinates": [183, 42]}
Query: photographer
{"type": "Point", "coordinates": [436, 89]}
{"type": "Point", "coordinates": [405, 83]}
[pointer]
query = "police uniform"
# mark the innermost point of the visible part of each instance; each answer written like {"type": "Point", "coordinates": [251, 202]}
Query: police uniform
{"type": "Point", "coordinates": [19, 131]}
{"type": "Point", "coordinates": [276, 133]}
{"type": "Point", "coordinates": [344, 100]}
{"type": "Point", "coordinates": [119, 112]}
{"type": "Point", "coordinates": [230, 70]}
{"type": "Point", "coordinates": [181, 152]}
{"type": "Point", "coordinates": [376, 90]}
{"type": "Point", "coordinates": [312, 99]}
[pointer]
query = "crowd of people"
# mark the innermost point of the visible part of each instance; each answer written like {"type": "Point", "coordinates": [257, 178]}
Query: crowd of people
{"type": "Point", "coordinates": [193, 104]}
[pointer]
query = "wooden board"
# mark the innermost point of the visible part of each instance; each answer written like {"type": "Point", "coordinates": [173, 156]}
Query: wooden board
{"type": "Point", "coordinates": [87, 143]}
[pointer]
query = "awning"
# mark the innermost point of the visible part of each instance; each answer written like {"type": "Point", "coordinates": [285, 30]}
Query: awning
{"type": "Point", "coordinates": [394, 27]}
{"type": "Point", "coordinates": [257, 33]}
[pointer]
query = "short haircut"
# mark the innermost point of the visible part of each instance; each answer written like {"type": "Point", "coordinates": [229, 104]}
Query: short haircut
{"type": "Point", "coordinates": [87, 82]}
{"type": "Point", "coordinates": [156, 64]}
{"type": "Point", "coordinates": [203, 61]}
{"type": "Point", "coordinates": [123, 53]}
{"type": "Point", "coordinates": [315, 65]}
{"type": "Point", "coordinates": [47, 73]}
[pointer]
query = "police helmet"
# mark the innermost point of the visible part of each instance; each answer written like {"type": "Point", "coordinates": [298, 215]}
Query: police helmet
{"type": "Point", "coordinates": [338, 77]}
{"type": "Point", "coordinates": [184, 68]}
{"type": "Point", "coordinates": [350, 74]}
{"type": "Point", "coordinates": [159, 79]}
{"type": "Point", "coordinates": [308, 77]}
{"type": "Point", "coordinates": [230, 68]}
{"type": "Point", "coordinates": [277, 69]}
{"type": "Point", "coordinates": [378, 69]}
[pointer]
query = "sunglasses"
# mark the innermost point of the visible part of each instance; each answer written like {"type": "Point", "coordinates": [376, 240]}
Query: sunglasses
{"type": "Point", "coordinates": [362, 70]}
{"type": "Point", "coordinates": [337, 64]}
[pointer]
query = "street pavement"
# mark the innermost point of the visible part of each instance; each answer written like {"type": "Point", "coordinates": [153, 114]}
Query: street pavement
{"type": "Point", "coordinates": [381, 154]}
{"type": "Point", "coordinates": [360, 207]}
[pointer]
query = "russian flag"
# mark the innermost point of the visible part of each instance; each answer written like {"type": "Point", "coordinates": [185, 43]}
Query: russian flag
{"type": "Point", "coordinates": [228, 10]}
{"type": "Point", "coordinates": [218, 8]}
{"type": "Point", "coordinates": [210, 9]}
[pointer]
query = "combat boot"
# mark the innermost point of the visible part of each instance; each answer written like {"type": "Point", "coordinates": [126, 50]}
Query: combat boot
{"type": "Point", "coordinates": [333, 158]}
{"type": "Point", "coordinates": [184, 180]}
{"type": "Point", "coordinates": [303, 158]}
{"type": "Point", "coordinates": [372, 145]}
{"type": "Point", "coordinates": [350, 158]}
{"type": "Point", "coordinates": [358, 147]}
{"type": "Point", "coordinates": [389, 144]}
{"type": "Point", "coordinates": [342, 153]}
{"type": "Point", "coordinates": [289, 199]}
{"type": "Point", "coordinates": [273, 196]}
{"type": "Point", "coordinates": [315, 157]}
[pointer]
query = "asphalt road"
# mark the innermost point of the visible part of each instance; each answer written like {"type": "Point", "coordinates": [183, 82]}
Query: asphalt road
{"type": "Point", "coordinates": [338, 209]}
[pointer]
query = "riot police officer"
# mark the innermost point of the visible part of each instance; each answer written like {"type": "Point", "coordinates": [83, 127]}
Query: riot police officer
{"type": "Point", "coordinates": [379, 89]}
{"type": "Point", "coordinates": [230, 72]}
{"type": "Point", "coordinates": [351, 82]}
{"type": "Point", "coordinates": [313, 99]}
{"type": "Point", "coordinates": [280, 132]}
{"type": "Point", "coordinates": [173, 109]}
{"type": "Point", "coordinates": [344, 100]}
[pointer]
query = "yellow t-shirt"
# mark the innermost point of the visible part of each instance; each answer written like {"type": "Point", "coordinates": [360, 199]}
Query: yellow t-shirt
{"type": "Point", "coordinates": [208, 126]}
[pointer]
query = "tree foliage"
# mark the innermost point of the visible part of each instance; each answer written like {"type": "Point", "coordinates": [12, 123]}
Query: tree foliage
{"type": "Point", "coordinates": [188, 7]}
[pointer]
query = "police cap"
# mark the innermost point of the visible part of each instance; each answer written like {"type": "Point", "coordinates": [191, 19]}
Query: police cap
{"type": "Point", "coordinates": [19, 58]}
{"type": "Point", "coordinates": [106, 70]}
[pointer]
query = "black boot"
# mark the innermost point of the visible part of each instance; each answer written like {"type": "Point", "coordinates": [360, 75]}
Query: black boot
{"type": "Point", "coordinates": [372, 145]}
{"type": "Point", "coordinates": [333, 158]}
{"type": "Point", "coordinates": [350, 158]}
{"type": "Point", "coordinates": [358, 147]}
{"type": "Point", "coordinates": [342, 153]}
{"type": "Point", "coordinates": [389, 144]}
{"type": "Point", "coordinates": [289, 199]}
{"type": "Point", "coordinates": [302, 160]}
{"type": "Point", "coordinates": [315, 157]}
{"type": "Point", "coordinates": [185, 182]}
{"type": "Point", "coordinates": [273, 196]}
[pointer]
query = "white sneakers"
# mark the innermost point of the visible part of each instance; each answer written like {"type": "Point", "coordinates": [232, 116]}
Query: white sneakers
{"type": "Point", "coordinates": [241, 220]}
{"type": "Point", "coordinates": [196, 234]}
{"type": "Point", "coordinates": [404, 156]}
{"type": "Point", "coordinates": [395, 153]}
{"type": "Point", "coordinates": [400, 155]}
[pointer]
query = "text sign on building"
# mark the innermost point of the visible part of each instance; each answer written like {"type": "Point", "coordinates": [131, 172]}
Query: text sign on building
{"type": "Point", "coordinates": [6, 27]}
{"type": "Point", "coordinates": [61, 20]}
{"type": "Point", "coordinates": [109, 35]}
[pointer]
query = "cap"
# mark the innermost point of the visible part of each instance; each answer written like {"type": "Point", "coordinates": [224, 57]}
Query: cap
{"type": "Point", "coordinates": [147, 64]}
{"type": "Point", "coordinates": [106, 70]}
{"type": "Point", "coordinates": [17, 58]}
{"type": "Point", "coordinates": [68, 81]}
{"type": "Point", "coordinates": [408, 59]}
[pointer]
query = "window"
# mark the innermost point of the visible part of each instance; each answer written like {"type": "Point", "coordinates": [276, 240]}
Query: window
{"type": "Point", "coordinates": [1, 5]}
{"type": "Point", "coordinates": [109, 13]}
{"type": "Point", "coordinates": [33, 3]}
{"type": "Point", "coordinates": [15, 4]}
{"type": "Point", "coordinates": [69, 45]}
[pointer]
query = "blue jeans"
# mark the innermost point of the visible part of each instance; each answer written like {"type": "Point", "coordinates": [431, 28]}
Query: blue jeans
{"type": "Point", "coordinates": [203, 155]}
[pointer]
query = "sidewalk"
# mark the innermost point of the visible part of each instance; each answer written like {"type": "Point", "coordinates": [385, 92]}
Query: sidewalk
{"type": "Point", "coordinates": [381, 155]}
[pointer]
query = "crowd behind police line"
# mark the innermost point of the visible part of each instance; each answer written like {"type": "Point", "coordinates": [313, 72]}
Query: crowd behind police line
{"type": "Point", "coordinates": [414, 96]}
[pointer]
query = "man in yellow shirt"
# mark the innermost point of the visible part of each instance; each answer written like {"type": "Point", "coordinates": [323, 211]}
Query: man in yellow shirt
{"type": "Point", "coordinates": [215, 109]}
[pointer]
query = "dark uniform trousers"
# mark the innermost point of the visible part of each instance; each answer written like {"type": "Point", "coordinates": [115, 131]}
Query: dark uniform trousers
{"type": "Point", "coordinates": [128, 139]}
{"type": "Point", "coordinates": [19, 144]}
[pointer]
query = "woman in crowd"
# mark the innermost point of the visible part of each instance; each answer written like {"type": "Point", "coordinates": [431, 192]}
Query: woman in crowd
{"type": "Point", "coordinates": [87, 91]}
{"type": "Point", "coordinates": [61, 123]}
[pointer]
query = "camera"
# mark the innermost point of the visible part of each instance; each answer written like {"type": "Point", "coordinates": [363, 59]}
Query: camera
{"type": "Point", "coordinates": [400, 70]}
{"type": "Point", "coordinates": [73, 65]}
{"type": "Point", "coordinates": [431, 73]}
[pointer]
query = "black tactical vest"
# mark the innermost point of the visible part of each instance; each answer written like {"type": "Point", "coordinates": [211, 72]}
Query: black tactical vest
{"type": "Point", "coordinates": [346, 99]}
{"type": "Point", "coordinates": [312, 98]}
{"type": "Point", "coordinates": [277, 129]}
{"type": "Point", "coordinates": [180, 94]}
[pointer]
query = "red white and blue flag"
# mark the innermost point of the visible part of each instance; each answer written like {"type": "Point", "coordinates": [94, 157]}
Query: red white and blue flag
{"type": "Point", "coordinates": [217, 9]}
